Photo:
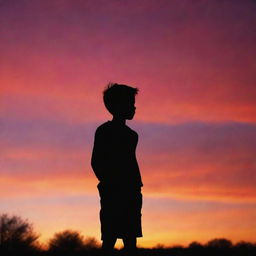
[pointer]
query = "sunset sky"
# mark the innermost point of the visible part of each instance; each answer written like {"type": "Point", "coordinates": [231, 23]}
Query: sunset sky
{"type": "Point", "coordinates": [194, 63]}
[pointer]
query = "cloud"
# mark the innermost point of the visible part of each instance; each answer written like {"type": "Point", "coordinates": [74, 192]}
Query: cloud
{"type": "Point", "coordinates": [199, 159]}
{"type": "Point", "coordinates": [192, 62]}
{"type": "Point", "coordinates": [192, 160]}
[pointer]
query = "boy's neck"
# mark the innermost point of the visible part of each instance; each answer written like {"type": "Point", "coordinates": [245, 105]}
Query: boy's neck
{"type": "Point", "coordinates": [118, 120]}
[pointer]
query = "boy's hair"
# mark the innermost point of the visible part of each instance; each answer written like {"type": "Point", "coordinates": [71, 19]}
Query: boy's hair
{"type": "Point", "coordinates": [115, 94]}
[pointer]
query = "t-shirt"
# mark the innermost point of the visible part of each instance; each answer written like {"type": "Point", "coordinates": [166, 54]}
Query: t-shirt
{"type": "Point", "coordinates": [114, 155]}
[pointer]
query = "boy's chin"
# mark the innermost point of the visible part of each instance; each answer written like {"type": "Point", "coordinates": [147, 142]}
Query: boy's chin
{"type": "Point", "coordinates": [130, 117]}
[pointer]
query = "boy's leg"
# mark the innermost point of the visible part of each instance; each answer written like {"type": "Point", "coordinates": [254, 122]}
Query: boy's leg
{"type": "Point", "coordinates": [130, 245]}
{"type": "Point", "coordinates": [108, 246]}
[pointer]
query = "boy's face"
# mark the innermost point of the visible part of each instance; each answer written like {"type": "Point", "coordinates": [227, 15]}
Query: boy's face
{"type": "Point", "coordinates": [127, 108]}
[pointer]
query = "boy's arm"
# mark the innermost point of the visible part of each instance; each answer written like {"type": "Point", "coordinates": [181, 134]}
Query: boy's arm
{"type": "Point", "coordinates": [99, 155]}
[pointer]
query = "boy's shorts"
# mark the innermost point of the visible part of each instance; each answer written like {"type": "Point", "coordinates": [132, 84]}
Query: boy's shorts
{"type": "Point", "coordinates": [120, 213]}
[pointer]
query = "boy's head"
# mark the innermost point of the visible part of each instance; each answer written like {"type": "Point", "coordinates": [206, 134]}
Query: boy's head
{"type": "Point", "coordinates": [119, 100]}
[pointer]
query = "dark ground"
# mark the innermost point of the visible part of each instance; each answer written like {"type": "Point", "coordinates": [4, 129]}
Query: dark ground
{"type": "Point", "coordinates": [178, 251]}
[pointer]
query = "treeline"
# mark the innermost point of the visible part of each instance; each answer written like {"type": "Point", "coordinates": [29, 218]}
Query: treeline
{"type": "Point", "coordinates": [17, 237]}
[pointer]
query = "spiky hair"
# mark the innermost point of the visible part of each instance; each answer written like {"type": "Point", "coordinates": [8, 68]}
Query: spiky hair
{"type": "Point", "coordinates": [114, 94]}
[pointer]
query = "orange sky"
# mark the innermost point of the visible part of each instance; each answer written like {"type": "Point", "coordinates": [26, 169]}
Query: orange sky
{"type": "Point", "coordinates": [194, 65]}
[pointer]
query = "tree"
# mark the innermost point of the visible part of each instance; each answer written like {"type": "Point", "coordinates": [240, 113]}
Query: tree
{"type": "Point", "coordinates": [16, 234]}
{"type": "Point", "coordinates": [244, 245]}
{"type": "Point", "coordinates": [195, 245]}
{"type": "Point", "coordinates": [91, 243]}
{"type": "Point", "coordinates": [66, 241]}
{"type": "Point", "coordinates": [219, 243]}
{"type": "Point", "coordinates": [159, 246]}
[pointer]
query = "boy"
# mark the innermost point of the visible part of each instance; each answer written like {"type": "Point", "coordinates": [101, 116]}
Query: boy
{"type": "Point", "coordinates": [114, 164]}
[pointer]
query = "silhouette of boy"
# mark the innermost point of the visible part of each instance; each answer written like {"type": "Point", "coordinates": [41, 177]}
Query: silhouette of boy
{"type": "Point", "coordinates": [114, 164]}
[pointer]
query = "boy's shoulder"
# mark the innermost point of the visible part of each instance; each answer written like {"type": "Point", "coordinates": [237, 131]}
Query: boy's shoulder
{"type": "Point", "coordinates": [131, 131]}
{"type": "Point", "coordinates": [108, 127]}
{"type": "Point", "coordinates": [105, 127]}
